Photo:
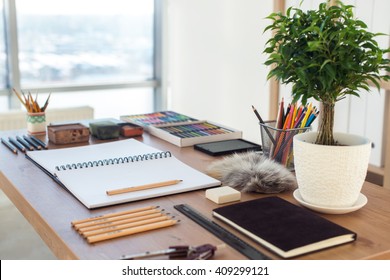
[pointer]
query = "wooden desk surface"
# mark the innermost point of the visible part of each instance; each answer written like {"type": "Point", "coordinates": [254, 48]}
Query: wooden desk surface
{"type": "Point", "coordinates": [50, 209]}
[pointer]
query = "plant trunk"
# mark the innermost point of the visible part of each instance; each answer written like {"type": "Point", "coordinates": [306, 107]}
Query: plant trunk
{"type": "Point", "coordinates": [325, 131]}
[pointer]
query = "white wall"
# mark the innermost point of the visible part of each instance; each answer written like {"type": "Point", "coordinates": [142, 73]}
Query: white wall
{"type": "Point", "coordinates": [215, 61]}
{"type": "Point", "coordinates": [365, 115]}
{"type": "Point", "coordinates": [215, 65]}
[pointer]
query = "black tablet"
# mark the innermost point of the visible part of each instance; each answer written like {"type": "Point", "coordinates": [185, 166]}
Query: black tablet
{"type": "Point", "coordinates": [227, 147]}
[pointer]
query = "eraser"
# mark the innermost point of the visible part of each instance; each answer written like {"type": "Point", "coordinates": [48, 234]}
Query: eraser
{"type": "Point", "coordinates": [131, 130]}
{"type": "Point", "coordinates": [222, 195]}
{"type": "Point", "coordinates": [104, 130]}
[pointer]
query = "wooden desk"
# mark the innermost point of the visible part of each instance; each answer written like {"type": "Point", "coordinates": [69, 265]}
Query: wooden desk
{"type": "Point", "coordinates": [50, 209]}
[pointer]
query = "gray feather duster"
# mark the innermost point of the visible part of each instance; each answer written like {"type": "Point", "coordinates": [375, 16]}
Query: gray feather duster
{"type": "Point", "coordinates": [252, 172]}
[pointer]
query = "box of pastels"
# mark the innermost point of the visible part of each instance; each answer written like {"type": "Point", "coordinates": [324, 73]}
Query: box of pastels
{"type": "Point", "coordinates": [182, 130]}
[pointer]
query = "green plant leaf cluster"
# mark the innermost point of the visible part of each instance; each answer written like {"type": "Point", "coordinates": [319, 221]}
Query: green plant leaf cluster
{"type": "Point", "coordinates": [325, 53]}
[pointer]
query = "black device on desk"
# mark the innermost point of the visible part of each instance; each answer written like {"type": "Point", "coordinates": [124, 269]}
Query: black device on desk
{"type": "Point", "coordinates": [227, 147]}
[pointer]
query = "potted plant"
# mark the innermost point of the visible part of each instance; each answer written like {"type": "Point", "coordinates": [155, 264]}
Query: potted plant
{"type": "Point", "coordinates": [326, 54]}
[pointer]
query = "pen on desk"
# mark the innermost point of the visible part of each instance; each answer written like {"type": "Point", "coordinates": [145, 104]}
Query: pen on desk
{"type": "Point", "coordinates": [31, 142]}
{"type": "Point", "coordinates": [9, 146]}
{"type": "Point", "coordinates": [182, 251]}
{"type": "Point", "coordinates": [143, 187]}
{"type": "Point", "coordinates": [17, 144]}
{"type": "Point", "coordinates": [39, 142]}
{"type": "Point", "coordinates": [24, 143]}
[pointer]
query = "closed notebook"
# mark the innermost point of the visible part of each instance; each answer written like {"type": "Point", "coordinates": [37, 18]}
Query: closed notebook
{"type": "Point", "coordinates": [284, 228]}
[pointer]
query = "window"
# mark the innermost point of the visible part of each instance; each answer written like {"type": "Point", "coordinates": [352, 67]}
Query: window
{"type": "Point", "coordinates": [91, 52]}
{"type": "Point", "coordinates": [3, 56]}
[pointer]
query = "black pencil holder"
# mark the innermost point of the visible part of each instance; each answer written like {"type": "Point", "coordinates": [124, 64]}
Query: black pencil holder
{"type": "Point", "coordinates": [278, 143]}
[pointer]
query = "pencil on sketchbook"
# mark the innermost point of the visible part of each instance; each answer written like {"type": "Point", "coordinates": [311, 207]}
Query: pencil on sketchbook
{"type": "Point", "coordinates": [143, 187]}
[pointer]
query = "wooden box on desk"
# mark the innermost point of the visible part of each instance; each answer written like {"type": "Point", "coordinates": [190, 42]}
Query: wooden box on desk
{"type": "Point", "coordinates": [68, 133]}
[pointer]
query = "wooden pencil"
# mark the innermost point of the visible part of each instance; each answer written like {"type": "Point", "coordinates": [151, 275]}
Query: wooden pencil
{"type": "Point", "coordinates": [120, 222]}
{"type": "Point", "coordinates": [143, 187]}
{"type": "Point", "coordinates": [124, 226]}
{"type": "Point", "coordinates": [9, 146]}
{"type": "Point", "coordinates": [130, 231]}
{"type": "Point", "coordinates": [115, 218]}
{"type": "Point", "coordinates": [17, 144]}
{"type": "Point", "coordinates": [24, 143]}
{"type": "Point", "coordinates": [30, 103]}
{"type": "Point", "coordinates": [113, 214]}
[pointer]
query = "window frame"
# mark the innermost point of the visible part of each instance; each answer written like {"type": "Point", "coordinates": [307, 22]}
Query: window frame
{"type": "Point", "coordinates": [13, 72]}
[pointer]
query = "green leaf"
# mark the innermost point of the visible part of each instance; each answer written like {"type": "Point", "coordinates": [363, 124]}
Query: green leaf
{"type": "Point", "coordinates": [361, 24]}
{"type": "Point", "coordinates": [324, 63]}
{"type": "Point", "coordinates": [374, 81]}
{"type": "Point", "coordinates": [325, 53]}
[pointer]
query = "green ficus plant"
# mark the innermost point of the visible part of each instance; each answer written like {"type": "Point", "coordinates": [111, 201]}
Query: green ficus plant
{"type": "Point", "coordinates": [325, 54]}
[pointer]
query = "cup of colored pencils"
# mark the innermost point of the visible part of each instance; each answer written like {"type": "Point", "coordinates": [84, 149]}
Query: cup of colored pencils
{"type": "Point", "coordinates": [36, 115]}
{"type": "Point", "coordinates": [277, 136]}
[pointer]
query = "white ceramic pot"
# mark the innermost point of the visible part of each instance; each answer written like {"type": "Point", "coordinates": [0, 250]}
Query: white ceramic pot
{"type": "Point", "coordinates": [331, 176]}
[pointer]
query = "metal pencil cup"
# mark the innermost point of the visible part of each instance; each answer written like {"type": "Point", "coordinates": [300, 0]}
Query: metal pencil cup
{"type": "Point", "coordinates": [278, 143]}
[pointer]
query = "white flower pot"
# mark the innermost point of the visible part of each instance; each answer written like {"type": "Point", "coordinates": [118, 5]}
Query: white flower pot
{"type": "Point", "coordinates": [331, 176]}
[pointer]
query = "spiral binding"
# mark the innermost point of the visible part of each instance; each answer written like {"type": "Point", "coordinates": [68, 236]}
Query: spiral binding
{"type": "Point", "coordinates": [112, 161]}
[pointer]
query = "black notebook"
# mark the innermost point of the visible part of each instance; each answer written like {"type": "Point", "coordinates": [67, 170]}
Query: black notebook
{"type": "Point", "coordinates": [286, 229]}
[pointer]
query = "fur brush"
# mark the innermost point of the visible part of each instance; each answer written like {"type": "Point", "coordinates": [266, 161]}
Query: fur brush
{"type": "Point", "coordinates": [252, 172]}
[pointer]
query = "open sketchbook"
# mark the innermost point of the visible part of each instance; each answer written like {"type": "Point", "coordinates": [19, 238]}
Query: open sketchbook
{"type": "Point", "coordinates": [89, 171]}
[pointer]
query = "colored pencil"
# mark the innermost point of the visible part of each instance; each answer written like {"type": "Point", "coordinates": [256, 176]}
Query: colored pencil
{"type": "Point", "coordinates": [38, 142]}
{"type": "Point", "coordinates": [293, 118]}
{"type": "Point", "coordinates": [24, 143]}
{"type": "Point", "coordinates": [32, 143]}
{"type": "Point", "coordinates": [9, 146]}
{"type": "Point", "coordinates": [17, 144]}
